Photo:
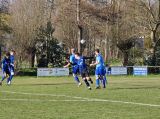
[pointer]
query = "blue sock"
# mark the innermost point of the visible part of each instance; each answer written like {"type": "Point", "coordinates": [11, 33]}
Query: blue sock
{"type": "Point", "coordinates": [76, 78]}
{"type": "Point", "coordinates": [8, 80]}
{"type": "Point", "coordinates": [104, 83]}
{"type": "Point", "coordinates": [97, 80]}
{"type": "Point", "coordinates": [3, 78]}
{"type": "Point", "coordinates": [105, 79]}
{"type": "Point", "coordinates": [11, 76]}
{"type": "Point", "coordinates": [87, 84]}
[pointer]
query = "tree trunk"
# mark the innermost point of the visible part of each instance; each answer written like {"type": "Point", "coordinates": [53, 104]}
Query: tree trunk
{"type": "Point", "coordinates": [31, 60]}
{"type": "Point", "coordinates": [153, 49]}
{"type": "Point", "coordinates": [117, 53]}
{"type": "Point", "coordinates": [125, 58]}
{"type": "Point", "coordinates": [0, 53]}
{"type": "Point", "coordinates": [79, 34]}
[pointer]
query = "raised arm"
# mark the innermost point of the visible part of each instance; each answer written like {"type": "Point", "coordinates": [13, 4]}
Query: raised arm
{"type": "Point", "coordinates": [1, 63]}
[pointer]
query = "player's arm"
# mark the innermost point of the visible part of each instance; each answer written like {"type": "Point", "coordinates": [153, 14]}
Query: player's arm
{"type": "Point", "coordinates": [67, 65]}
{"type": "Point", "coordinates": [1, 63]}
{"type": "Point", "coordinates": [69, 62]}
{"type": "Point", "coordinates": [95, 63]}
{"type": "Point", "coordinates": [88, 57]}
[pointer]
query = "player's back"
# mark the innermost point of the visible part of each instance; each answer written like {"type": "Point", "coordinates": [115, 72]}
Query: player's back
{"type": "Point", "coordinates": [73, 59]}
{"type": "Point", "coordinates": [6, 63]}
{"type": "Point", "coordinates": [99, 58]}
{"type": "Point", "coordinates": [82, 64]}
{"type": "Point", "coordinates": [12, 59]}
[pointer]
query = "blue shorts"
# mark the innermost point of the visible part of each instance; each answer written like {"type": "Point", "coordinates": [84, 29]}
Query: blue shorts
{"type": "Point", "coordinates": [12, 69]}
{"type": "Point", "coordinates": [75, 70]}
{"type": "Point", "coordinates": [99, 71]}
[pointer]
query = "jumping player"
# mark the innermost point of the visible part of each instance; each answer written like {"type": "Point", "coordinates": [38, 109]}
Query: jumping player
{"type": "Point", "coordinates": [6, 67]}
{"type": "Point", "coordinates": [75, 67]}
{"type": "Point", "coordinates": [12, 66]}
{"type": "Point", "coordinates": [99, 69]}
{"type": "Point", "coordinates": [83, 69]}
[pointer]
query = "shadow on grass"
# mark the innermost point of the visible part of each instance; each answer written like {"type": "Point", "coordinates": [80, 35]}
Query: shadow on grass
{"type": "Point", "coordinates": [149, 87]}
{"type": "Point", "coordinates": [47, 84]}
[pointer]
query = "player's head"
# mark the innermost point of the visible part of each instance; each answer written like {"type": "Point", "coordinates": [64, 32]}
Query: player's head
{"type": "Point", "coordinates": [77, 55]}
{"type": "Point", "coordinates": [7, 55]}
{"type": "Point", "coordinates": [72, 50]}
{"type": "Point", "coordinates": [96, 51]}
{"type": "Point", "coordinates": [12, 52]}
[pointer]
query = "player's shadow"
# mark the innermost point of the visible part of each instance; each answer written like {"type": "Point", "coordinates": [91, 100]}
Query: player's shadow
{"type": "Point", "coordinates": [55, 84]}
{"type": "Point", "coordinates": [145, 87]}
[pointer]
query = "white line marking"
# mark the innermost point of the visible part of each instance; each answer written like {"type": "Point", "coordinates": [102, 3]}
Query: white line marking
{"type": "Point", "coordinates": [43, 100]}
{"type": "Point", "coordinates": [85, 99]}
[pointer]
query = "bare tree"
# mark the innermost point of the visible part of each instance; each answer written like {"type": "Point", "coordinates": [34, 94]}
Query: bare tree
{"type": "Point", "coordinates": [28, 17]}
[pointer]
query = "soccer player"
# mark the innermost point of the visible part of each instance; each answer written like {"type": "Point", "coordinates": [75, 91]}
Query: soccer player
{"type": "Point", "coordinates": [12, 66]}
{"type": "Point", "coordinates": [83, 69]}
{"type": "Point", "coordinates": [99, 69]}
{"type": "Point", "coordinates": [75, 67]}
{"type": "Point", "coordinates": [6, 67]}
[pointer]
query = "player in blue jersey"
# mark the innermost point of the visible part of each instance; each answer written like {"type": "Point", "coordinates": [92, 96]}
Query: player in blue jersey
{"type": "Point", "coordinates": [83, 69]}
{"type": "Point", "coordinates": [6, 67]}
{"type": "Point", "coordinates": [75, 67]}
{"type": "Point", "coordinates": [99, 69]}
{"type": "Point", "coordinates": [12, 66]}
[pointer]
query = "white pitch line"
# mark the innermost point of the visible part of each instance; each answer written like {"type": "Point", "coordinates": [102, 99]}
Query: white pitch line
{"type": "Point", "coordinates": [44, 100]}
{"type": "Point", "coordinates": [87, 99]}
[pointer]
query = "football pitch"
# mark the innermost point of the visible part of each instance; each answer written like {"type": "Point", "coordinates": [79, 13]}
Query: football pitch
{"type": "Point", "coordinates": [61, 98]}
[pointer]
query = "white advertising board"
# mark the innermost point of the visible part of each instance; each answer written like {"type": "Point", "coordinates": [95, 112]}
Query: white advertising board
{"type": "Point", "coordinates": [106, 70]}
{"type": "Point", "coordinates": [52, 72]}
{"type": "Point", "coordinates": [118, 70]}
{"type": "Point", "coordinates": [1, 73]}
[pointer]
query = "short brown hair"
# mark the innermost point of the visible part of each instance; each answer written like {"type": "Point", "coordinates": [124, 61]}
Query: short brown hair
{"type": "Point", "coordinates": [7, 54]}
{"type": "Point", "coordinates": [12, 51]}
{"type": "Point", "coordinates": [77, 54]}
{"type": "Point", "coordinates": [73, 50]}
{"type": "Point", "coordinates": [97, 50]}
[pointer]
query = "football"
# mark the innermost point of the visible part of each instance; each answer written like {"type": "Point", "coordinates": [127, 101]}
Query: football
{"type": "Point", "coordinates": [83, 41]}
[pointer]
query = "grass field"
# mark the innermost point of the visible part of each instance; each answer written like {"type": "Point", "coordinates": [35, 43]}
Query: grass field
{"type": "Point", "coordinates": [60, 98]}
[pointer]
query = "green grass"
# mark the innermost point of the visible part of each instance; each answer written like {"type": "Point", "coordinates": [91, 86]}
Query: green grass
{"type": "Point", "coordinates": [56, 98]}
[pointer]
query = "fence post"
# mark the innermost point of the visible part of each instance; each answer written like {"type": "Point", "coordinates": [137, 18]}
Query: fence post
{"type": "Point", "coordinates": [133, 71]}
{"type": "Point", "coordinates": [147, 71]}
{"type": "Point", "coordinates": [37, 72]}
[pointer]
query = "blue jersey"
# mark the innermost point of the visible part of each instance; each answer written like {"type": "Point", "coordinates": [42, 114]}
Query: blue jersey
{"type": "Point", "coordinates": [99, 58]}
{"type": "Point", "coordinates": [6, 64]}
{"type": "Point", "coordinates": [12, 59]}
{"type": "Point", "coordinates": [81, 64]}
{"type": "Point", "coordinates": [73, 59]}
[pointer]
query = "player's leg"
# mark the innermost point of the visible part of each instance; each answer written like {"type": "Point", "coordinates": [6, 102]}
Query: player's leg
{"type": "Point", "coordinates": [87, 77]}
{"type": "Point", "coordinates": [101, 72]}
{"type": "Point", "coordinates": [97, 78]}
{"type": "Point", "coordinates": [100, 79]}
{"type": "Point", "coordinates": [12, 74]}
{"type": "Point", "coordinates": [104, 78]}
{"type": "Point", "coordinates": [8, 75]}
{"type": "Point", "coordinates": [75, 70]}
{"type": "Point", "coordinates": [5, 74]}
{"type": "Point", "coordinates": [86, 82]}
